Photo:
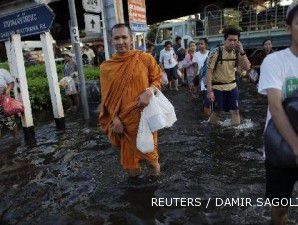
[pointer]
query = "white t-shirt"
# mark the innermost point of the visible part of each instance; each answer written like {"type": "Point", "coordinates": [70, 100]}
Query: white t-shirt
{"type": "Point", "coordinates": [5, 79]}
{"type": "Point", "coordinates": [167, 58]}
{"type": "Point", "coordinates": [200, 58]}
{"type": "Point", "coordinates": [275, 69]}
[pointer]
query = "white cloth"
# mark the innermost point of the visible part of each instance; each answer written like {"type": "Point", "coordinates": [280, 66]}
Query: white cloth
{"type": "Point", "coordinates": [275, 69]}
{"type": "Point", "coordinates": [168, 58]}
{"type": "Point", "coordinates": [5, 79]}
{"type": "Point", "coordinates": [200, 59]}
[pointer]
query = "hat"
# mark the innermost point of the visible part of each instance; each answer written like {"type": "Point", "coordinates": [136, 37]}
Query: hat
{"type": "Point", "coordinates": [68, 53]}
{"type": "Point", "coordinates": [291, 7]}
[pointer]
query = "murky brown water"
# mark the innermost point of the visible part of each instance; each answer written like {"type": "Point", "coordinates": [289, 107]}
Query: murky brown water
{"type": "Point", "coordinates": [74, 176]}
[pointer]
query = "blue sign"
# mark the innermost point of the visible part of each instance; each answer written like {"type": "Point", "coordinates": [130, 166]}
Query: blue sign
{"type": "Point", "coordinates": [27, 22]}
{"type": "Point", "coordinates": [138, 27]}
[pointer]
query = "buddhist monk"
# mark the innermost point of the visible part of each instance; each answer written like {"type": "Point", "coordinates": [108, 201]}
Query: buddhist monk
{"type": "Point", "coordinates": [127, 82]}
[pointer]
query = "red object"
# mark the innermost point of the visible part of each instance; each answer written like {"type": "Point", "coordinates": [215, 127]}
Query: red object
{"type": "Point", "coordinates": [11, 106]}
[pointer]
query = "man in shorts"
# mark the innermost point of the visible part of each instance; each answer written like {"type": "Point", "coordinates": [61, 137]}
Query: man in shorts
{"type": "Point", "coordinates": [221, 84]}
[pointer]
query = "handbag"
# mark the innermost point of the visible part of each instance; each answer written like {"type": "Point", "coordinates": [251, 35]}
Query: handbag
{"type": "Point", "coordinates": [11, 106]}
{"type": "Point", "coordinates": [165, 80]}
{"type": "Point", "coordinates": [278, 152]}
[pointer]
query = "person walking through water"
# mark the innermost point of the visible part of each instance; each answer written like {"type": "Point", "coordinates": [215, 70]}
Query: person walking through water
{"type": "Point", "coordinates": [168, 62]}
{"type": "Point", "coordinates": [191, 65]}
{"type": "Point", "coordinates": [221, 84]}
{"type": "Point", "coordinates": [276, 69]}
{"type": "Point", "coordinates": [6, 86]}
{"type": "Point", "coordinates": [201, 57]}
{"type": "Point", "coordinates": [127, 82]}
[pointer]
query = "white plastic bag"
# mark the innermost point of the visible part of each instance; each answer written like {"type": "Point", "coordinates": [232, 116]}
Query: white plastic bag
{"type": "Point", "coordinates": [145, 142]}
{"type": "Point", "coordinates": [179, 73]}
{"type": "Point", "coordinates": [69, 84]}
{"type": "Point", "coordinates": [160, 113]}
{"type": "Point", "coordinates": [165, 80]}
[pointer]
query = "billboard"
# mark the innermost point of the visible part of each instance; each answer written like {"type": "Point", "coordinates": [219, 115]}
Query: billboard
{"type": "Point", "coordinates": [137, 15]}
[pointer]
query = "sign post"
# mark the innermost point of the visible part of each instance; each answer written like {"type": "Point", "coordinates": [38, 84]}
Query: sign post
{"type": "Point", "coordinates": [76, 45]}
{"type": "Point", "coordinates": [47, 46]}
{"type": "Point", "coordinates": [17, 68]}
{"type": "Point", "coordinates": [27, 22]}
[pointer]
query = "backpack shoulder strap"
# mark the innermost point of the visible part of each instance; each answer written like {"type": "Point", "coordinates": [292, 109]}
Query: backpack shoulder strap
{"type": "Point", "coordinates": [219, 57]}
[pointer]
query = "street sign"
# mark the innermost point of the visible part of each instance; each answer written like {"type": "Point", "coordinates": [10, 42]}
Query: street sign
{"type": "Point", "coordinates": [137, 15]}
{"type": "Point", "coordinates": [92, 23]}
{"type": "Point", "coordinates": [27, 22]}
{"type": "Point", "coordinates": [92, 6]}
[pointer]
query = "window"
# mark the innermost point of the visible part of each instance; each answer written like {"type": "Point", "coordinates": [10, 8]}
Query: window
{"type": "Point", "coordinates": [164, 34]}
{"type": "Point", "coordinates": [178, 31]}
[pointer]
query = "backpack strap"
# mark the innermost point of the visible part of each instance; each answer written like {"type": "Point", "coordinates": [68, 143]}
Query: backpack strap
{"type": "Point", "coordinates": [219, 57]}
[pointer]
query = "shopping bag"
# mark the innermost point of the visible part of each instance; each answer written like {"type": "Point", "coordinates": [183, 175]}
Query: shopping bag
{"type": "Point", "coordinates": [145, 142]}
{"type": "Point", "coordinates": [69, 84]}
{"type": "Point", "coordinates": [179, 73]}
{"type": "Point", "coordinates": [159, 113]}
{"type": "Point", "coordinates": [165, 80]}
{"type": "Point", "coordinates": [11, 106]}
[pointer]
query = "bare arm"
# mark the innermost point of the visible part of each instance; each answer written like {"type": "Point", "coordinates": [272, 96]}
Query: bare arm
{"type": "Point", "coordinates": [210, 93]}
{"type": "Point", "coordinates": [281, 120]}
{"type": "Point", "coordinates": [244, 63]}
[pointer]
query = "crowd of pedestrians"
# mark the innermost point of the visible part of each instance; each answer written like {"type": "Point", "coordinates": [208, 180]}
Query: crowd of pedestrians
{"type": "Point", "coordinates": [129, 80]}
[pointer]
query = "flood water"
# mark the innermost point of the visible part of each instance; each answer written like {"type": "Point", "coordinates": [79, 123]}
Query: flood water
{"type": "Point", "coordinates": [74, 177]}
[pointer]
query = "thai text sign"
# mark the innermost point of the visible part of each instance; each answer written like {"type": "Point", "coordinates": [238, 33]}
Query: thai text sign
{"type": "Point", "coordinates": [26, 22]}
{"type": "Point", "coordinates": [137, 15]}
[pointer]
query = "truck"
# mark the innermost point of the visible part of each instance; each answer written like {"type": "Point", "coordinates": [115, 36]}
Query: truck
{"type": "Point", "coordinates": [256, 25]}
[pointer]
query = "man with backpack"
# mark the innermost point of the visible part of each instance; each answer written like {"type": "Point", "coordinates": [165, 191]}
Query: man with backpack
{"type": "Point", "coordinates": [221, 84]}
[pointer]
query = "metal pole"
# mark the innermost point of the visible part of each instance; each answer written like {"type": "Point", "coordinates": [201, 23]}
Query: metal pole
{"type": "Point", "coordinates": [105, 33]}
{"type": "Point", "coordinates": [76, 44]}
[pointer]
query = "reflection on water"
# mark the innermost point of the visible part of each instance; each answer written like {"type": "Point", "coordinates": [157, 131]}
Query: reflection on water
{"type": "Point", "coordinates": [74, 176]}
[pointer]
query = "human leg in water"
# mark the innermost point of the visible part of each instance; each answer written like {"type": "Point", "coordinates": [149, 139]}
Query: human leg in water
{"type": "Point", "coordinates": [279, 215]}
{"type": "Point", "coordinates": [176, 84]}
{"type": "Point", "coordinates": [156, 167]}
{"type": "Point", "coordinates": [235, 117]}
{"type": "Point", "coordinates": [214, 118]}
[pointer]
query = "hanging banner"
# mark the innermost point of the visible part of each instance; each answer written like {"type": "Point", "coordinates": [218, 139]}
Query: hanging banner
{"type": "Point", "coordinates": [137, 15]}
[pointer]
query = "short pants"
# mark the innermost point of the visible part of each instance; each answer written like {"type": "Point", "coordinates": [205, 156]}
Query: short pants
{"type": "Point", "coordinates": [280, 182]}
{"type": "Point", "coordinates": [172, 73]}
{"type": "Point", "coordinates": [226, 100]}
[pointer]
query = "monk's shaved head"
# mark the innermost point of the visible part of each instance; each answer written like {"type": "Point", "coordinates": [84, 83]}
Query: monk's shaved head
{"type": "Point", "coordinates": [121, 25]}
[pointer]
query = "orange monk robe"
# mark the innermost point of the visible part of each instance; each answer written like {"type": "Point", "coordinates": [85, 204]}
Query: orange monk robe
{"type": "Point", "coordinates": [122, 80]}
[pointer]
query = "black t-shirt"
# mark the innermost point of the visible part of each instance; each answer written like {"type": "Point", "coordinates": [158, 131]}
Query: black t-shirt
{"type": "Point", "coordinates": [180, 52]}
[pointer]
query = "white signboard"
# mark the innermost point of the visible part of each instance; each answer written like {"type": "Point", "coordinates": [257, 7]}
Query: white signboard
{"type": "Point", "coordinates": [92, 23]}
{"type": "Point", "coordinates": [92, 6]}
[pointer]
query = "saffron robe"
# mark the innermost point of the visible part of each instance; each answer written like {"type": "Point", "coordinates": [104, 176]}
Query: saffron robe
{"type": "Point", "coordinates": [123, 78]}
